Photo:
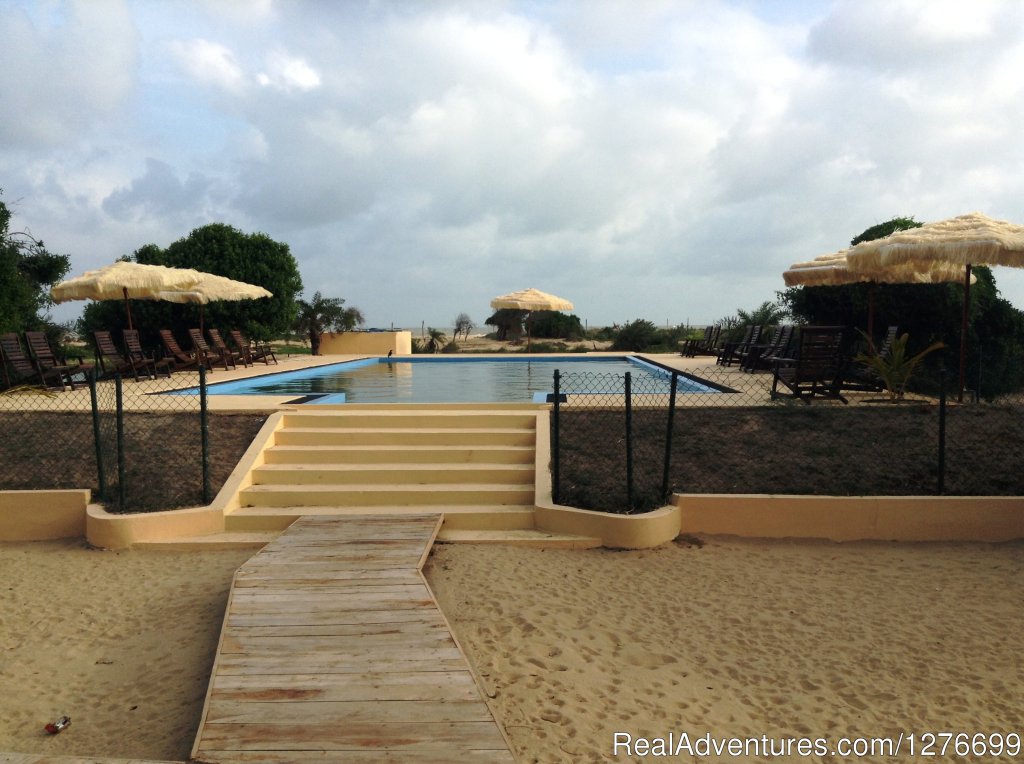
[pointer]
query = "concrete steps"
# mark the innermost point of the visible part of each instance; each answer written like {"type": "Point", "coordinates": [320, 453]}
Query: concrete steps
{"type": "Point", "coordinates": [465, 517]}
{"type": "Point", "coordinates": [394, 473]}
{"type": "Point", "coordinates": [410, 454]}
{"type": "Point", "coordinates": [475, 466]}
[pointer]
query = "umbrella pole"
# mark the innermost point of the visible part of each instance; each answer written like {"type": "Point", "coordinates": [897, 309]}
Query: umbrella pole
{"type": "Point", "coordinates": [963, 334]}
{"type": "Point", "coordinates": [872, 288]}
{"type": "Point", "coordinates": [128, 307]}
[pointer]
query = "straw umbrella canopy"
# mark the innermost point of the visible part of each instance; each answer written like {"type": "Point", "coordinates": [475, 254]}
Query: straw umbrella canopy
{"type": "Point", "coordinates": [530, 300]}
{"type": "Point", "coordinates": [833, 270]}
{"type": "Point", "coordinates": [124, 280]}
{"type": "Point", "coordinates": [210, 288]}
{"type": "Point", "coordinates": [963, 241]}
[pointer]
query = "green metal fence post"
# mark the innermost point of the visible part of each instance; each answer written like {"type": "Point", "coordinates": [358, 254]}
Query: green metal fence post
{"type": "Point", "coordinates": [555, 460]}
{"type": "Point", "coordinates": [120, 442]}
{"type": "Point", "coordinates": [941, 486]}
{"type": "Point", "coordinates": [629, 441]}
{"type": "Point", "coordinates": [96, 436]}
{"type": "Point", "coordinates": [668, 435]}
{"type": "Point", "coordinates": [204, 428]}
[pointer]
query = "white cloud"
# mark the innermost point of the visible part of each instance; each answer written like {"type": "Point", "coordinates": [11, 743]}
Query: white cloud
{"type": "Point", "coordinates": [288, 73]}
{"type": "Point", "coordinates": [210, 63]}
{"type": "Point", "coordinates": [685, 153]}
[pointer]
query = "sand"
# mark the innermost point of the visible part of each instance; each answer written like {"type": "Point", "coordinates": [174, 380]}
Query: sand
{"type": "Point", "coordinates": [122, 642]}
{"type": "Point", "coordinates": [732, 638]}
{"type": "Point", "coordinates": [739, 638]}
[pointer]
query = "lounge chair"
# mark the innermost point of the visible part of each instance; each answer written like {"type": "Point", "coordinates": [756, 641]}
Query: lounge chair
{"type": "Point", "coordinates": [252, 351]}
{"type": "Point", "coordinates": [45, 359]}
{"type": "Point", "coordinates": [138, 358]}
{"type": "Point", "coordinates": [208, 355]}
{"type": "Point", "coordinates": [175, 354]}
{"type": "Point", "coordinates": [817, 367]}
{"type": "Point", "coordinates": [221, 347]}
{"type": "Point", "coordinates": [112, 361]}
{"type": "Point", "coordinates": [688, 348]}
{"type": "Point", "coordinates": [762, 356]}
{"type": "Point", "coordinates": [734, 351]}
{"type": "Point", "coordinates": [19, 369]}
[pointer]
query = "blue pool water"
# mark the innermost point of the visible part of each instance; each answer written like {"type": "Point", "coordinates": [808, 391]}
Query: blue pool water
{"type": "Point", "coordinates": [463, 379]}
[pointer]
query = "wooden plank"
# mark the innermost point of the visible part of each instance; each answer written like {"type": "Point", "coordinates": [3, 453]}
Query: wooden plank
{"type": "Point", "coordinates": [341, 664]}
{"type": "Point", "coordinates": [334, 617]}
{"type": "Point", "coordinates": [368, 687]}
{"type": "Point", "coordinates": [297, 712]}
{"type": "Point", "coordinates": [333, 649]}
{"type": "Point", "coordinates": [309, 591]}
{"type": "Point", "coordinates": [429, 625]}
{"type": "Point", "coordinates": [420, 756]}
{"type": "Point", "coordinates": [444, 736]}
{"type": "Point", "coordinates": [240, 643]}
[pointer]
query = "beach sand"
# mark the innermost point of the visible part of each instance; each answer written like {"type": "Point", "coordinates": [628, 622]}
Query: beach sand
{"type": "Point", "coordinates": [739, 638]}
{"type": "Point", "coordinates": [732, 638]}
{"type": "Point", "coordinates": [122, 642]}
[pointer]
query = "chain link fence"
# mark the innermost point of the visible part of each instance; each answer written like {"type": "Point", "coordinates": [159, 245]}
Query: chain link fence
{"type": "Point", "coordinates": [139, 446]}
{"type": "Point", "coordinates": [723, 433]}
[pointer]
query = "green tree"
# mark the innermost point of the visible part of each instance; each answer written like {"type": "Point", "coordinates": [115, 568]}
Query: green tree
{"type": "Point", "coordinates": [768, 313]}
{"type": "Point", "coordinates": [27, 269]}
{"type": "Point", "coordinates": [463, 325]}
{"type": "Point", "coordinates": [508, 323]}
{"type": "Point", "coordinates": [325, 314]}
{"type": "Point", "coordinates": [435, 341]}
{"type": "Point", "coordinates": [223, 250]}
{"type": "Point", "coordinates": [553, 324]}
{"type": "Point", "coordinates": [635, 336]}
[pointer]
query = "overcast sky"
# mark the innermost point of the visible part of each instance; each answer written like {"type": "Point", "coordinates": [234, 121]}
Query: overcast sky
{"type": "Point", "coordinates": [644, 159]}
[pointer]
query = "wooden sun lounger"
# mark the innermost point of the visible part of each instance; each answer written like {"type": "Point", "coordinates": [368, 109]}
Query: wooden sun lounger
{"type": "Point", "coordinates": [733, 351]}
{"type": "Point", "coordinates": [252, 351]}
{"type": "Point", "coordinates": [18, 369]}
{"type": "Point", "coordinates": [180, 358]}
{"type": "Point", "coordinates": [113, 361]}
{"type": "Point", "coordinates": [221, 347]}
{"type": "Point", "coordinates": [138, 358]}
{"type": "Point", "coordinates": [45, 359]}
{"type": "Point", "coordinates": [208, 355]}
{"type": "Point", "coordinates": [817, 368]}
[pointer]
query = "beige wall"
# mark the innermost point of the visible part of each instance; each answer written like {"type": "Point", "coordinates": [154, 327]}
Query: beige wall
{"type": "Point", "coordinates": [42, 515]}
{"type": "Point", "coordinates": [369, 343]}
{"type": "Point", "coordinates": [851, 518]}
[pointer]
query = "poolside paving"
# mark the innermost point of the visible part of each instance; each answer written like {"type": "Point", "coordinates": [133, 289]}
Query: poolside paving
{"type": "Point", "coordinates": [334, 649]}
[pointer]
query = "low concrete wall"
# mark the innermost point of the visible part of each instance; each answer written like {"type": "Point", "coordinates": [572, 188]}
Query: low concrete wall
{"type": "Point", "coordinates": [644, 531]}
{"type": "Point", "coordinates": [366, 343]}
{"type": "Point", "coordinates": [110, 531]}
{"type": "Point", "coordinates": [42, 515]}
{"type": "Point", "coordinates": [854, 518]}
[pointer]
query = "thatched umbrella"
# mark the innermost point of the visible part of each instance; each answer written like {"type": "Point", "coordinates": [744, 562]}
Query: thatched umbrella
{"type": "Point", "coordinates": [833, 270]}
{"type": "Point", "coordinates": [530, 300]}
{"type": "Point", "coordinates": [963, 241]}
{"type": "Point", "coordinates": [210, 288]}
{"type": "Point", "coordinates": [124, 280]}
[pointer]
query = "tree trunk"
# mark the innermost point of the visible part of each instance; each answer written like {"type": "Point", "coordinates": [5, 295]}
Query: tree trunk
{"type": "Point", "coordinates": [314, 342]}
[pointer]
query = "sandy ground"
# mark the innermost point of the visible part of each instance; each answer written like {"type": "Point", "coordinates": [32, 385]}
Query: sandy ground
{"type": "Point", "coordinates": [122, 642]}
{"type": "Point", "coordinates": [731, 638]}
{"type": "Point", "coordinates": [739, 638]}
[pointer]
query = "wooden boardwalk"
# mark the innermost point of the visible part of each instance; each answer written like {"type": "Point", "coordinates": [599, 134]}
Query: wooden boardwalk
{"type": "Point", "coordinates": [334, 649]}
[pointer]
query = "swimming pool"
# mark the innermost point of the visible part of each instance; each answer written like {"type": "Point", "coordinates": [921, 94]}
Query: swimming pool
{"type": "Point", "coordinates": [462, 379]}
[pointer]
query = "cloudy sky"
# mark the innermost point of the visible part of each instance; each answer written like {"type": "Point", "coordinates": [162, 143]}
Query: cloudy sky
{"type": "Point", "coordinates": [643, 158]}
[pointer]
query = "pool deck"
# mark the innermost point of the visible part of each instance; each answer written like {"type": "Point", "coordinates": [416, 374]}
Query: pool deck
{"type": "Point", "coordinates": [334, 648]}
{"type": "Point", "coordinates": [144, 395]}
